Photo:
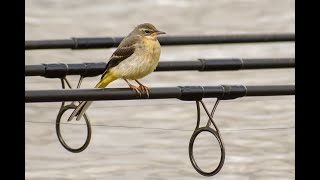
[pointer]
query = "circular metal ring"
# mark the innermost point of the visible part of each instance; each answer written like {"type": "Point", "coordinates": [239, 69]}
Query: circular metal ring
{"type": "Point", "coordinates": [193, 161]}
{"type": "Point", "coordinates": [64, 144]}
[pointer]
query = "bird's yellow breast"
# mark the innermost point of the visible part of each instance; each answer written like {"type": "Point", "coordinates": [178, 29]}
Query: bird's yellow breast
{"type": "Point", "coordinates": [152, 47]}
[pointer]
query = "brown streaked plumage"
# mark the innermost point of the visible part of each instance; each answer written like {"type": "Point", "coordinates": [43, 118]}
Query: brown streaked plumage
{"type": "Point", "coordinates": [124, 50]}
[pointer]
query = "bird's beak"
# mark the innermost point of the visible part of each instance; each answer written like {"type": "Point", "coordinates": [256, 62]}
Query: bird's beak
{"type": "Point", "coordinates": [160, 32]}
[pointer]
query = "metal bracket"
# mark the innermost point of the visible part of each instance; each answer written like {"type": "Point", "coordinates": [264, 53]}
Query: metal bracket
{"type": "Point", "coordinates": [214, 132]}
{"type": "Point", "coordinates": [62, 110]}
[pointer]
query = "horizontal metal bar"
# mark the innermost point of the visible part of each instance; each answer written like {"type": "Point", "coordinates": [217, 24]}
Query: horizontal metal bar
{"type": "Point", "coordinates": [109, 42]}
{"type": "Point", "coordinates": [94, 69]}
{"type": "Point", "coordinates": [180, 92]}
{"type": "Point", "coordinates": [269, 90]}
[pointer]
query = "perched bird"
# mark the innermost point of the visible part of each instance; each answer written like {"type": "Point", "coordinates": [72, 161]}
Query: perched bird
{"type": "Point", "coordinates": [136, 56]}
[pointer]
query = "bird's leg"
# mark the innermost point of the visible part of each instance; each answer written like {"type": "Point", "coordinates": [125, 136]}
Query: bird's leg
{"type": "Point", "coordinates": [143, 87]}
{"type": "Point", "coordinates": [133, 87]}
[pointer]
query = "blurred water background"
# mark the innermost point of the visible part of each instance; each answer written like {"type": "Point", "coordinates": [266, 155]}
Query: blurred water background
{"type": "Point", "coordinates": [267, 152]}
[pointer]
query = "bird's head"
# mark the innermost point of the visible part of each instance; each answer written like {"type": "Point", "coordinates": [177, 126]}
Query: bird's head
{"type": "Point", "coordinates": [147, 30]}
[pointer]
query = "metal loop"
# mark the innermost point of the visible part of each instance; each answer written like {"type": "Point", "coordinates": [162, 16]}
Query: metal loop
{"type": "Point", "coordinates": [193, 161]}
{"type": "Point", "coordinates": [216, 134]}
{"type": "Point", "coordinates": [63, 143]}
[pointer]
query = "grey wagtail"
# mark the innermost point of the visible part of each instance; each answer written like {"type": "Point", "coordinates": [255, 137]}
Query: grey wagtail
{"type": "Point", "coordinates": [136, 56]}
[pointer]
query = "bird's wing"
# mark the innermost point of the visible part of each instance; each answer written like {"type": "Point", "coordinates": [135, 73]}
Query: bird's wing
{"type": "Point", "coordinates": [125, 49]}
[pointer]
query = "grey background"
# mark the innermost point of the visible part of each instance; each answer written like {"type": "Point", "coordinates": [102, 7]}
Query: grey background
{"type": "Point", "coordinates": [140, 153]}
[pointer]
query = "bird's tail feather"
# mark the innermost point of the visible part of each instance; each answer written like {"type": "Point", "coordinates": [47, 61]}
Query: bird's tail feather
{"type": "Point", "coordinates": [80, 110]}
{"type": "Point", "coordinates": [83, 109]}
{"type": "Point", "coordinates": [84, 105]}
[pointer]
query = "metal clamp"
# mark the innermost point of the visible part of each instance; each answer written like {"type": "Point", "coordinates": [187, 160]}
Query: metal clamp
{"type": "Point", "coordinates": [62, 110]}
{"type": "Point", "coordinates": [214, 132]}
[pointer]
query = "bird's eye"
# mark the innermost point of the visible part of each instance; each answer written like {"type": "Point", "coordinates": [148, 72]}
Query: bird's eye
{"type": "Point", "coordinates": [146, 31]}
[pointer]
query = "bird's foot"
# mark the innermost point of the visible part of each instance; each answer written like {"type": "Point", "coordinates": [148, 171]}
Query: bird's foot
{"type": "Point", "coordinates": [144, 88]}
{"type": "Point", "coordinates": [135, 89]}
